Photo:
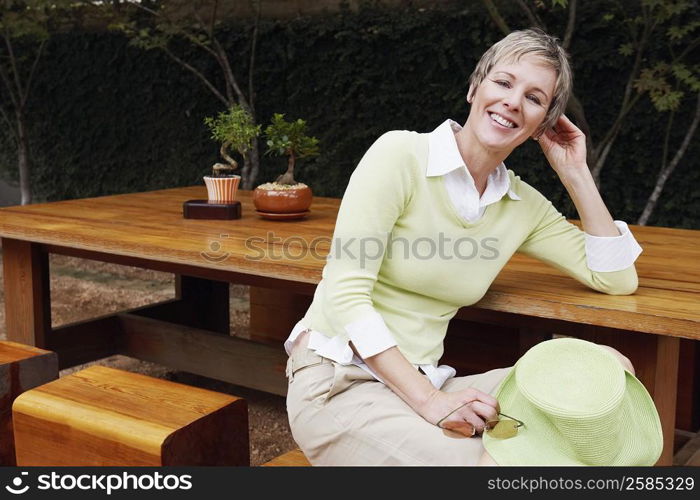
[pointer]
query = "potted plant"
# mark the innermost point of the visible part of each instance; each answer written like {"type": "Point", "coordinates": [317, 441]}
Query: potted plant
{"type": "Point", "coordinates": [233, 129]}
{"type": "Point", "coordinates": [286, 196]}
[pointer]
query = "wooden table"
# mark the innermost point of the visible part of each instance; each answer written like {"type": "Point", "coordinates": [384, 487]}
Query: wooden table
{"type": "Point", "coordinates": [191, 332]}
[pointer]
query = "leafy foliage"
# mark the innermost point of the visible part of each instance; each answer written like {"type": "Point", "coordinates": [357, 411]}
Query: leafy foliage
{"type": "Point", "coordinates": [287, 138]}
{"type": "Point", "coordinates": [233, 128]}
{"type": "Point", "coordinates": [290, 139]}
{"type": "Point", "coordinates": [170, 20]}
{"type": "Point", "coordinates": [28, 18]}
{"type": "Point", "coordinates": [662, 93]}
{"type": "Point", "coordinates": [668, 74]}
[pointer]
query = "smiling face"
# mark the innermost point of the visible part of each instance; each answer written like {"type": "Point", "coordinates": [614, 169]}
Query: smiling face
{"type": "Point", "coordinates": [510, 103]}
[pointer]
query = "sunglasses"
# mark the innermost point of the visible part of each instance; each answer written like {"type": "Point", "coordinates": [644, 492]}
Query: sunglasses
{"type": "Point", "coordinates": [504, 428]}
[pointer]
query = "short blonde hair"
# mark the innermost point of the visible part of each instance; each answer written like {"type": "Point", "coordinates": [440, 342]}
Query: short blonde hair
{"type": "Point", "coordinates": [536, 42]}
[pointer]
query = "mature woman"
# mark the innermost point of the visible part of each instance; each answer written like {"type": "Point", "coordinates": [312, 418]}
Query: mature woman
{"type": "Point", "coordinates": [426, 224]}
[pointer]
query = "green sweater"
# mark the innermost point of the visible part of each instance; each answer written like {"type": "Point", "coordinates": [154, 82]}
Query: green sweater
{"type": "Point", "coordinates": [403, 261]}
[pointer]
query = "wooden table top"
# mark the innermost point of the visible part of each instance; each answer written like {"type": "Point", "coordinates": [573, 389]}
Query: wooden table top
{"type": "Point", "coordinates": [150, 226]}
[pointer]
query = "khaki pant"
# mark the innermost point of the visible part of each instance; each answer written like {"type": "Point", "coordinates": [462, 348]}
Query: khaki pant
{"type": "Point", "coordinates": [340, 415]}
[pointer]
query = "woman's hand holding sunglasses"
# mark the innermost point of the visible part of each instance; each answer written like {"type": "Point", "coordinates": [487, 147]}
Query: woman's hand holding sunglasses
{"type": "Point", "coordinates": [466, 411]}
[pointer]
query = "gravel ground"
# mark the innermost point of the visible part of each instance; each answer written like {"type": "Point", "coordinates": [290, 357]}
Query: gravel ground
{"type": "Point", "coordinates": [83, 289]}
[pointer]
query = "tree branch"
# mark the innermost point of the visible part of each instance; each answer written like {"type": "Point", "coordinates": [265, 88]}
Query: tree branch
{"type": "Point", "coordinates": [8, 84]}
{"type": "Point", "coordinates": [691, 46]}
{"type": "Point", "coordinates": [13, 64]}
{"type": "Point", "coordinates": [576, 109]}
{"type": "Point", "coordinates": [601, 151]}
{"type": "Point", "coordinates": [230, 77]}
{"type": "Point", "coordinates": [688, 136]}
{"type": "Point", "coordinates": [198, 74]}
{"type": "Point", "coordinates": [603, 148]}
{"type": "Point", "coordinates": [617, 124]}
{"type": "Point", "coordinates": [253, 45]}
{"type": "Point", "coordinates": [138, 4]}
{"type": "Point", "coordinates": [637, 64]}
{"type": "Point", "coordinates": [666, 172]}
{"type": "Point", "coordinates": [531, 17]}
{"type": "Point", "coordinates": [496, 16]}
{"type": "Point", "coordinates": [39, 52]}
{"type": "Point", "coordinates": [209, 30]}
{"type": "Point", "coordinates": [571, 24]}
{"type": "Point", "coordinates": [180, 31]}
{"type": "Point", "coordinates": [667, 139]}
{"type": "Point", "coordinates": [221, 57]}
{"type": "Point", "coordinates": [219, 54]}
{"type": "Point", "coordinates": [628, 101]}
{"type": "Point", "coordinates": [213, 17]}
{"type": "Point", "coordinates": [196, 41]}
{"type": "Point", "coordinates": [10, 126]}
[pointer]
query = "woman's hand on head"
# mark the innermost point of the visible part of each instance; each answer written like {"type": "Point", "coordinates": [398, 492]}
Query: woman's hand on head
{"type": "Point", "coordinates": [564, 146]}
{"type": "Point", "coordinates": [465, 411]}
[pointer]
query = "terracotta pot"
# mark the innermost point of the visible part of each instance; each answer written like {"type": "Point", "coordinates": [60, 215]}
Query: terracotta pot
{"type": "Point", "coordinates": [282, 201]}
{"type": "Point", "coordinates": [222, 189]}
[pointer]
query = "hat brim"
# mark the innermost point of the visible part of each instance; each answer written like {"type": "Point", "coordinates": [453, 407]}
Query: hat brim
{"type": "Point", "coordinates": [539, 442]}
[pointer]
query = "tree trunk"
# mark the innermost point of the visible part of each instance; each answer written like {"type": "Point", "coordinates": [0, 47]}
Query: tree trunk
{"type": "Point", "coordinates": [666, 172]}
{"type": "Point", "coordinates": [25, 187]}
{"type": "Point", "coordinates": [224, 154]}
{"type": "Point", "coordinates": [288, 176]}
{"type": "Point", "coordinates": [252, 166]}
{"type": "Point", "coordinates": [496, 17]}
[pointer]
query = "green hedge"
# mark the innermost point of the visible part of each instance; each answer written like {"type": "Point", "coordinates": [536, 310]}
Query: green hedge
{"type": "Point", "coordinates": [110, 118]}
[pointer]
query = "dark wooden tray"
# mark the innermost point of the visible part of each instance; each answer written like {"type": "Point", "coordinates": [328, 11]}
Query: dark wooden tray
{"type": "Point", "coordinates": [203, 209]}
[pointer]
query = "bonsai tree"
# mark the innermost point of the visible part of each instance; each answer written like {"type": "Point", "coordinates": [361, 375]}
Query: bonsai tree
{"type": "Point", "coordinates": [289, 138]}
{"type": "Point", "coordinates": [234, 128]}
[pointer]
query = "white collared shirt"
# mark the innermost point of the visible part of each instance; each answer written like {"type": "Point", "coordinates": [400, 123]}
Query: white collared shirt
{"type": "Point", "coordinates": [445, 159]}
{"type": "Point", "coordinates": [603, 253]}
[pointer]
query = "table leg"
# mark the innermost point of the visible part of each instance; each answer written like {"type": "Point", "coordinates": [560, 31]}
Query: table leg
{"type": "Point", "coordinates": [273, 313]}
{"type": "Point", "coordinates": [688, 405]}
{"type": "Point", "coordinates": [199, 303]}
{"type": "Point", "coordinates": [27, 292]}
{"type": "Point", "coordinates": [209, 302]}
{"type": "Point", "coordinates": [529, 337]}
{"type": "Point", "coordinates": [666, 390]}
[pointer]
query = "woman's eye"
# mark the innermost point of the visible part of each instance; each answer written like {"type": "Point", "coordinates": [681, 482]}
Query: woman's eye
{"type": "Point", "coordinates": [534, 99]}
{"type": "Point", "coordinates": [502, 83]}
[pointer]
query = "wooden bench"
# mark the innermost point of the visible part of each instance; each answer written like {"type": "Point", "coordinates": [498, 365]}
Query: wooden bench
{"type": "Point", "coordinates": [294, 458]}
{"type": "Point", "coordinates": [22, 367]}
{"type": "Point", "coordinates": [106, 417]}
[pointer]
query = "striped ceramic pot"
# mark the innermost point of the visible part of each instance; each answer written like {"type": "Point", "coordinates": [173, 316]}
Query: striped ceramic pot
{"type": "Point", "coordinates": [222, 189]}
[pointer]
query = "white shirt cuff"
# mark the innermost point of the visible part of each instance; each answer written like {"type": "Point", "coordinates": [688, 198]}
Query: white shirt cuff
{"type": "Point", "coordinates": [612, 253]}
{"type": "Point", "coordinates": [438, 375]}
{"type": "Point", "coordinates": [296, 331]}
{"type": "Point", "coordinates": [370, 335]}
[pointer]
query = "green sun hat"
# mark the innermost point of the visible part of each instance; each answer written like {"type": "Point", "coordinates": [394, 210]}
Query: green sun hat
{"type": "Point", "coordinates": [579, 406]}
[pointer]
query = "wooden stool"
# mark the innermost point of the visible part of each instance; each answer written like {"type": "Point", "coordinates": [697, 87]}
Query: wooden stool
{"type": "Point", "coordinates": [107, 417]}
{"type": "Point", "coordinates": [294, 458]}
{"type": "Point", "coordinates": [22, 367]}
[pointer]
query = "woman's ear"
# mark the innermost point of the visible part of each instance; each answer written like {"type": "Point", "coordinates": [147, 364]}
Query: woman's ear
{"type": "Point", "coordinates": [470, 94]}
{"type": "Point", "coordinates": [539, 132]}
